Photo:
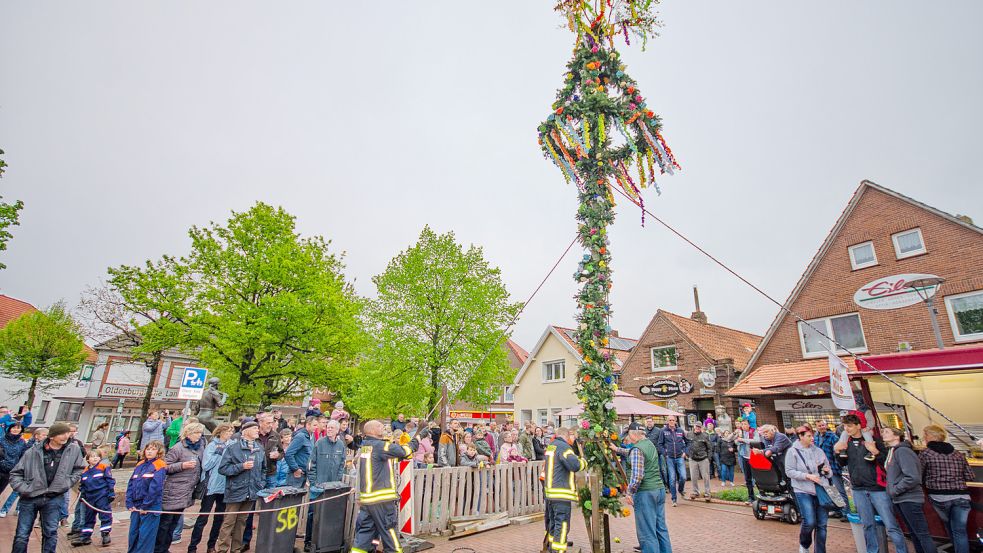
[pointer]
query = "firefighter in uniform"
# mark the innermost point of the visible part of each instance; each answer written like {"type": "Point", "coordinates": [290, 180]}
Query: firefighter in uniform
{"type": "Point", "coordinates": [561, 463]}
{"type": "Point", "coordinates": [379, 514]}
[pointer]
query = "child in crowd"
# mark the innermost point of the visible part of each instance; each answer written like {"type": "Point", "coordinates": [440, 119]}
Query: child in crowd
{"type": "Point", "coordinates": [145, 492]}
{"type": "Point", "coordinates": [98, 490]}
{"type": "Point", "coordinates": [122, 449]}
{"type": "Point", "coordinates": [866, 417]}
{"type": "Point", "coordinates": [281, 465]}
{"type": "Point", "coordinates": [471, 458]}
{"type": "Point", "coordinates": [428, 460]}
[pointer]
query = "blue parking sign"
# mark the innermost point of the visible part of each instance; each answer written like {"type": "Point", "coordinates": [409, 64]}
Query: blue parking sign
{"type": "Point", "coordinates": [193, 383]}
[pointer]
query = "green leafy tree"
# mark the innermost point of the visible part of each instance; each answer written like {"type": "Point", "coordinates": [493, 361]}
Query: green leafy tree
{"type": "Point", "coordinates": [269, 312]}
{"type": "Point", "coordinates": [9, 216]}
{"type": "Point", "coordinates": [42, 348]}
{"type": "Point", "coordinates": [437, 320]}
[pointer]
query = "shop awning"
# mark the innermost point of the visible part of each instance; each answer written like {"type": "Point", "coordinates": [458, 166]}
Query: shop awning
{"type": "Point", "coordinates": [956, 358]}
{"type": "Point", "coordinates": [801, 377]}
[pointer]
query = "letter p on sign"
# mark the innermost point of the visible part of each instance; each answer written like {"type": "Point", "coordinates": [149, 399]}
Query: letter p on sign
{"type": "Point", "coordinates": [193, 383]}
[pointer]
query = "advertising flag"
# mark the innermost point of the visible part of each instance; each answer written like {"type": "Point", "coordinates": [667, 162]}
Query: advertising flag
{"type": "Point", "coordinates": [839, 384]}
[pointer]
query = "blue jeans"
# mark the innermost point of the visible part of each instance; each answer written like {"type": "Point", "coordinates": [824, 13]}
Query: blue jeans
{"type": "Point", "coordinates": [867, 503]}
{"type": "Point", "coordinates": [914, 519]}
{"type": "Point", "coordinates": [30, 509]}
{"type": "Point", "coordinates": [650, 521]}
{"type": "Point", "coordinates": [727, 473]}
{"type": "Point", "coordinates": [748, 478]}
{"type": "Point", "coordinates": [677, 475]}
{"type": "Point", "coordinates": [80, 509]}
{"type": "Point", "coordinates": [178, 529]}
{"type": "Point", "coordinates": [9, 504]}
{"type": "Point", "coordinates": [955, 514]}
{"type": "Point", "coordinates": [814, 520]}
{"type": "Point", "coordinates": [63, 507]}
{"type": "Point", "coordinates": [143, 531]}
{"type": "Point", "coordinates": [715, 465]}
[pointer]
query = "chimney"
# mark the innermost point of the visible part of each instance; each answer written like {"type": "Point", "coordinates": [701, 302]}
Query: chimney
{"type": "Point", "coordinates": [614, 334]}
{"type": "Point", "coordinates": [698, 315]}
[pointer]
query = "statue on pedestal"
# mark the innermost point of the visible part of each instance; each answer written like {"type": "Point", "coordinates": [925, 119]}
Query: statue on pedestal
{"type": "Point", "coordinates": [211, 399]}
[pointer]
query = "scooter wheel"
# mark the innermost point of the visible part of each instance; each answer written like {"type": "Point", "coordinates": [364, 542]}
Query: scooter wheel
{"type": "Point", "coordinates": [756, 508]}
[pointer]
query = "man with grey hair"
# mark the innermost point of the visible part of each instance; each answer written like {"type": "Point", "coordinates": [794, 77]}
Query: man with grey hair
{"type": "Point", "coordinates": [327, 465]}
{"type": "Point", "coordinates": [646, 491]}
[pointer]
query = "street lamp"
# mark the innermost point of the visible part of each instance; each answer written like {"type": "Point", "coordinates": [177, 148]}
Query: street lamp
{"type": "Point", "coordinates": [926, 289]}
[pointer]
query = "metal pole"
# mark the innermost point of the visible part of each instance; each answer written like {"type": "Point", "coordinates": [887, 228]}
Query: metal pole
{"type": "Point", "coordinates": [934, 314]}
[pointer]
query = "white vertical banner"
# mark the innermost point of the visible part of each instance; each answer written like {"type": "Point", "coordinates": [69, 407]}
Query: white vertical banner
{"type": "Point", "coordinates": [839, 384]}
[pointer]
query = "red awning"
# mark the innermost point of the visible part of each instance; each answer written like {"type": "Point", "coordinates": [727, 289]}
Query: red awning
{"type": "Point", "coordinates": [929, 360]}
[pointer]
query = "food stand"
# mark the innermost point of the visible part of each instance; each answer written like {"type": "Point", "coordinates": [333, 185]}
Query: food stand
{"type": "Point", "coordinates": [951, 380]}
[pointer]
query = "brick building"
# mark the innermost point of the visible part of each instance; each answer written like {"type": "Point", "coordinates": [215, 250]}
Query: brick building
{"type": "Point", "coordinates": [854, 290]}
{"type": "Point", "coordinates": [687, 364]}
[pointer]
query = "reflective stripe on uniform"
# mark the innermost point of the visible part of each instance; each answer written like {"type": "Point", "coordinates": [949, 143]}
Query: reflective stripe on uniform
{"type": "Point", "coordinates": [560, 544]}
{"type": "Point", "coordinates": [399, 548]}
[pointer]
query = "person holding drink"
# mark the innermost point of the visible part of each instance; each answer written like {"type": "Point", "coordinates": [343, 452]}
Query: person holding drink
{"type": "Point", "coordinates": [244, 467]}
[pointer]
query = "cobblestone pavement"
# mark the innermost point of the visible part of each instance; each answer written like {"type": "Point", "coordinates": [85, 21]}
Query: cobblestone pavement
{"type": "Point", "coordinates": [693, 527]}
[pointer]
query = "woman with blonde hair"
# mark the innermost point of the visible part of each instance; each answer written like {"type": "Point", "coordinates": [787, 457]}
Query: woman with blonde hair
{"type": "Point", "coordinates": [945, 472]}
{"type": "Point", "coordinates": [214, 497]}
{"type": "Point", "coordinates": [184, 461]}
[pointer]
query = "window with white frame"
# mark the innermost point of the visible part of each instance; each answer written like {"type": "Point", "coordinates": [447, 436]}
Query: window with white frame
{"type": "Point", "coordinates": [966, 315]}
{"type": "Point", "coordinates": [862, 255]}
{"type": "Point", "coordinates": [554, 371]}
{"type": "Point", "coordinates": [543, 416]}
{"type": "Point", "coordinates": [508, 396]}
{"type": "Point", "coordinates": [908, 243]}
{"type": "Point", "coordinates": [663, 358]}
{"type": "Point", "coordinates": [844, 329]}
{"type": "Point", "coordinates": [525, 415]}
{"type": "Point", "coordinates": [555, 415]}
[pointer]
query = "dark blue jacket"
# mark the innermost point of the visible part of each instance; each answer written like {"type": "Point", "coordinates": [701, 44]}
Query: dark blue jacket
{"type": "Point", "coordinates": [242, 484]}
{"type": "Point", "coordinates": [298, 454]}
{"type": "Point", "coordinates": [146, 488]}
{"type": "Point", "coordinates": [12, 448]}
{"type": "Point", "coordinates": [672, 443]}
{"type": "Point", "coordinates": [97, 484]}
{"type": "Point", "coordinates": [328, 461]}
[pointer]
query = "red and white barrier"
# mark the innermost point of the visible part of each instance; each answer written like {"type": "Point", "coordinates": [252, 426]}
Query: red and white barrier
{"type": "Point", "coordinates": [407, 522]}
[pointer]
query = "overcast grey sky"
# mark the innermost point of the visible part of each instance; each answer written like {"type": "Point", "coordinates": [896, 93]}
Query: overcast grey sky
{"type": "Point", "coordinates": [124, 123]}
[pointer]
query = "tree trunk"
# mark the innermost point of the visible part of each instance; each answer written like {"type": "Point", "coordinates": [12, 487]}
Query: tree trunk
{"type": "Point", "coordinates": [30, 394]}
{"type": "Point", "coordinates": [154, 366]}
{"type": "Point", "coordinates": [432, 400]}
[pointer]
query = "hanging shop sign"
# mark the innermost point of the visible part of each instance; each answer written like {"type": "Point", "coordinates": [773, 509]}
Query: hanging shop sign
{"type": "Point", "coordinates": [667, 388]}
{"type": "Point", "coordinates": [892, 293]}
{"type": "Point", "coordinates": [664, 388]}
{"type": "Point", "coordinates": [708, 392]}
{"type": "Point", "coordinates": [708, 377]}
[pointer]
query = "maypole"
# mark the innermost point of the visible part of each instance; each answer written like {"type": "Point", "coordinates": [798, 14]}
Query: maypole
{"type": "Point", "coordinates": [602, 134]}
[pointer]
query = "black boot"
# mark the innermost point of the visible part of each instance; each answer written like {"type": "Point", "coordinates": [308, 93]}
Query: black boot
{"type": "Point", "coordinates": [106, 540]}
{"type": "Point", "coordinates": [84, 539]}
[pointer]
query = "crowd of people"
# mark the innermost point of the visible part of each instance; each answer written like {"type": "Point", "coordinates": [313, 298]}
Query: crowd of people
{"type": "Point", "coordinates": [179, 464]}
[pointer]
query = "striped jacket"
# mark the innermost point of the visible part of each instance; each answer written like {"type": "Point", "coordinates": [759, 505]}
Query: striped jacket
{"type": "Point", "coordinates": [561, 464]}
{"type": "Point", "coordinates": [376, 472]}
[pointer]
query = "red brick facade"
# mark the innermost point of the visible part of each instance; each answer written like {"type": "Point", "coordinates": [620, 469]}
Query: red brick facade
{"type": "Point", "coordinates": [699, 347]}
{"type": "Point", "coordinates": [954, 251]}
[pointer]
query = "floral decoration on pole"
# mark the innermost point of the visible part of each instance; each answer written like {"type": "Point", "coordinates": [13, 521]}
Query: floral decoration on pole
{"type": "Point", "coordinates": [602, 134]}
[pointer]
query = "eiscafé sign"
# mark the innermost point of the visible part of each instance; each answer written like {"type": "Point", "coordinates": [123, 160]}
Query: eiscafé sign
{"type": "Point", "coordinates": [804, 405]}
{"type": "Point", "coordinates": [892, 293]}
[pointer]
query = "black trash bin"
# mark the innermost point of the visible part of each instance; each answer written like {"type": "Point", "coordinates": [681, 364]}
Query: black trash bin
{"type": "Point", "coordinates": [277, 530]}
{"type": "Point", "coordinates": [330, 517]}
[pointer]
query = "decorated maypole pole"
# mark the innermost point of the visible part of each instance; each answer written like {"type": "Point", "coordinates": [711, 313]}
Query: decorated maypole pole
{"type": "Point", "coordinates": [602, 135]}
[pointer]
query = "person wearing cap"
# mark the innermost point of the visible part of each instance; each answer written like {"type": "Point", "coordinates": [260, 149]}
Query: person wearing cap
{"type": "Point", "coordinates": [748, 414]}
{"type": "Point", "coordinates": [314, 410]}
{"type": "Point", "coordinates": [244, 467]}
{"type": "Point", "coordinates": [23, 417]}
{"type": "Point", "coordinates": [12, 448]}
{"type": "Point", "coordinates": [42, 476]}
{"type": "Point", "coordinates": [699, 451]}
{"type": "Point", "coordinates": [646, 491]}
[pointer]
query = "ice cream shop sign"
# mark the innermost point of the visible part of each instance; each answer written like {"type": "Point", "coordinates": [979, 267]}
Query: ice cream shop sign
{"type": "Point", "coordinates": [893, 292]}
